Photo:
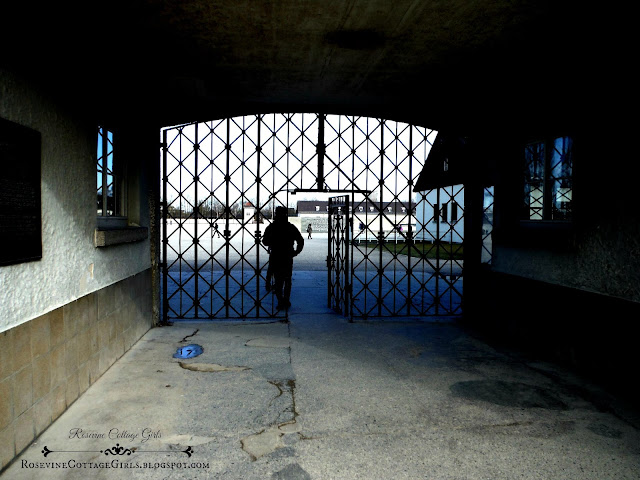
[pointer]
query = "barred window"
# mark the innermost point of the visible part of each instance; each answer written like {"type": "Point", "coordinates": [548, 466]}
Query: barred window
{"type": "Point", "coordinates": [487, 226]}
{"type": "Point", "coordinates": [109, 185]}
{"type": "Point", "coordinates": [548, 179]}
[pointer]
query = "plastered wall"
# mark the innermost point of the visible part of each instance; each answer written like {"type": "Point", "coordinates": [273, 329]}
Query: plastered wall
{"type": "Point", "coordinates": [599, 251]}
{"type": "Point", "coordinates": [71, 266]}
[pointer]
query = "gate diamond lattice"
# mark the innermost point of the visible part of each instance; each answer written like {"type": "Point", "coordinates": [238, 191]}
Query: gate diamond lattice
{"type": "Point", "coordinates": [223, 179]}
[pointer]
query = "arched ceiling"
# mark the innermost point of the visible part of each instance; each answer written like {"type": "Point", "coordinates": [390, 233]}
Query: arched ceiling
{"type": "Point", "coordinates": [440, 63]}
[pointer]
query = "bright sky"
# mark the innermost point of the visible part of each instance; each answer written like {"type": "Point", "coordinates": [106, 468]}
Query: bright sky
{"type": "Point", "coordinates": [352, 158]}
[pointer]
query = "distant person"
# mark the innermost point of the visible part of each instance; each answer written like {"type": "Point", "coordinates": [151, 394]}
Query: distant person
{"type": "Point", "coordinates": [215, 230]}
{"type": "Point", "coordinates": [280, 237]}
{"type": "Point", "coordinates": [309, 230]}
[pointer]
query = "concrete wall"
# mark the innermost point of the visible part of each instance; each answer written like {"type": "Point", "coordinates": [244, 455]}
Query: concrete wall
{"type": "Point", "coordinates": [567, 290]}
{"type": "Point", "coordinates": [48, 362]}
{"type": "Point", "coordinates": [599, 250]}
{"type": "Point", "coordinates": [68, 317]}
{"type": "Point", "coordinates": [71, 266]}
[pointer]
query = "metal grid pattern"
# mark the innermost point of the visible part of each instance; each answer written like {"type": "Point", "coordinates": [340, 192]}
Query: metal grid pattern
{"type": "Point", "coordinates": [534, 159]}
{"type": "Point", "coordinates": [548, 179]}
{"type": "Point", "coordinates": [397, 266]}
{"type": "Point", "coordinates": [338, 262]}
{"type": "Point", "coordinates": [106, 183]}
{"type": "Point", "coordinates": [561, 178]}
{"type": "Point", "coordinates": [487, 226]}
{"type": "Point", "coordinates": [223, 179]}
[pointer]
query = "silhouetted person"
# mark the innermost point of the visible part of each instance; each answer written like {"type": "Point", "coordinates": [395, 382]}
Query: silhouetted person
{"type": "Point", "coordinates": [269, 285]}
{"type": "Point", "coordinates": [280, 237]}
{"type": "Point", "coordinates": [309, 230]}
{"type": "Point", "coordinates": [215, 230]}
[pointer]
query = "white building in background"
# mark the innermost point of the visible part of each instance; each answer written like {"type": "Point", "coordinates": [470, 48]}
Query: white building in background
{"type": "Point", "coordinates": [440, 215]}
{"type": "Point", "coordinates": [249, 212]}
{"type": "Point", "coordinates": [396, 217]}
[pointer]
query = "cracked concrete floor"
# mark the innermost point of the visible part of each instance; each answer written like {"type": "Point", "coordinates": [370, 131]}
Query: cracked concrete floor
{"type": "Point", "coordinates": [320, 398]}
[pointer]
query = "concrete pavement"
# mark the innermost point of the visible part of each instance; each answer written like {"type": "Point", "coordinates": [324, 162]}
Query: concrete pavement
{"type": "Point", "coordinates": [321, 398]}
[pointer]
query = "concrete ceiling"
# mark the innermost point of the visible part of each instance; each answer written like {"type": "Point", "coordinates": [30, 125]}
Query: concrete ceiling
{"type": "Point", "coordinates": [440, 63]}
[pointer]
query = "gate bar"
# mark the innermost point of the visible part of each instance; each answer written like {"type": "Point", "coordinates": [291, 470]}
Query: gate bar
{"type": "Point", "coordinates": [347, 278]}
{"type": "Point", "coordinates": [320, 149]}
{"type": "Point", "coordinates": [227, 226]}
{"type": "Point", "coordinates": [381, 217]}
{"type": "Point", "coordinates": [409, 238]}
{"type": "Point", "coordinates": [196, 211]}
{"type": "Point", "coordinates": [327, 190]}
{"type": "Point", "coordinates": [329, 240]}
{"type": "Point", "coordinates": [256, 219]}
{"type": "Point", "coordinates": [437, 241]}
{"type": "Point", "coordinates": [165, 268]}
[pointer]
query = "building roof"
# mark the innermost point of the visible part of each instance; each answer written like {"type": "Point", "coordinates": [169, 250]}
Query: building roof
{"type": "Point", "coordinates": [309, 206]}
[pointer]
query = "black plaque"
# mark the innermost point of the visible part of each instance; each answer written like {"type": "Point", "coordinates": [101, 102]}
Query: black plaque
{"type": "Point", "coordinates": [20, 198]}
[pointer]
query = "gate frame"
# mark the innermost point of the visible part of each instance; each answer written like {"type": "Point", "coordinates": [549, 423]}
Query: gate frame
{"type": "Point", "coordinates": [338, 267]}
{"type": "Point", "coordinates": [333, 167]}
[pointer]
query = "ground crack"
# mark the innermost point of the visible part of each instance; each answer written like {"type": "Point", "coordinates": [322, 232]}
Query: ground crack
{"type": "Point", "coordinates": [212, 367]}
{"type": "Point", "coordinates": [269, 439]}
{"type": "Point", "coordinates": [184, 340]}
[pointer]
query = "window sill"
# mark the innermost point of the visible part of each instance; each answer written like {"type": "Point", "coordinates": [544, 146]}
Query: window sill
{"type": "Point", "coordinates": [110, 222]}
{"type": "Point", "coordinates": [108, 236]}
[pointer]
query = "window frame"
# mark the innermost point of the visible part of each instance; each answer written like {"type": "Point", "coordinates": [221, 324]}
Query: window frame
{"type": "Point", "coordinates": [454, 212]}
{"type": "Point", "coordinates": [117, 170]}
{"type": "Point", "coordinates": [547, 210]}
{"type": "Point", "coordinates": [444, 212]}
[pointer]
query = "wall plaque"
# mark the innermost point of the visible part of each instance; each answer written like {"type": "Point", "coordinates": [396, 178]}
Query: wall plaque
{"type": "Point", "coordinates": [20, 198]}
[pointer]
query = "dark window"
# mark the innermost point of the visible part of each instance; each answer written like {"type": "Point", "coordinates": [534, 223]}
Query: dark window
{"type": "Point", "coordinates": [109, 183]}
{"type": "Point", "coordinates": [548, 179]}
{"type": "Point", "coordinates": [487, 226]}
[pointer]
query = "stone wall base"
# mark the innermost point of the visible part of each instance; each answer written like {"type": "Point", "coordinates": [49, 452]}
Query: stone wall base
{"type": "Point", "coordinates": [48, 362]}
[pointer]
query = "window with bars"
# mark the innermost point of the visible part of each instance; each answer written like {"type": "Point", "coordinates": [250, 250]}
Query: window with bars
{"type": "Point", "coordinates": [487, 226]}
{"type": "Point", "coordinates": [548, 179]}
{"type": "Point", "coordinates": [108, 204]}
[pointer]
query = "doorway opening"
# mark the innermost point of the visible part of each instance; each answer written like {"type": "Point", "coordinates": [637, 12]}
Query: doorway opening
{"type": "Point", "coordinates": [223, 179]}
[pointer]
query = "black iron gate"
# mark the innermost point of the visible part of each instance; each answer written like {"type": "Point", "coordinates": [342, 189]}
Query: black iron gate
{"type": "Point", "coordinates": [396, 252]}
{"type": "Point", "coordinates": [338, 240]}
{"type": "Point", "coordinates": [378, 273]}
